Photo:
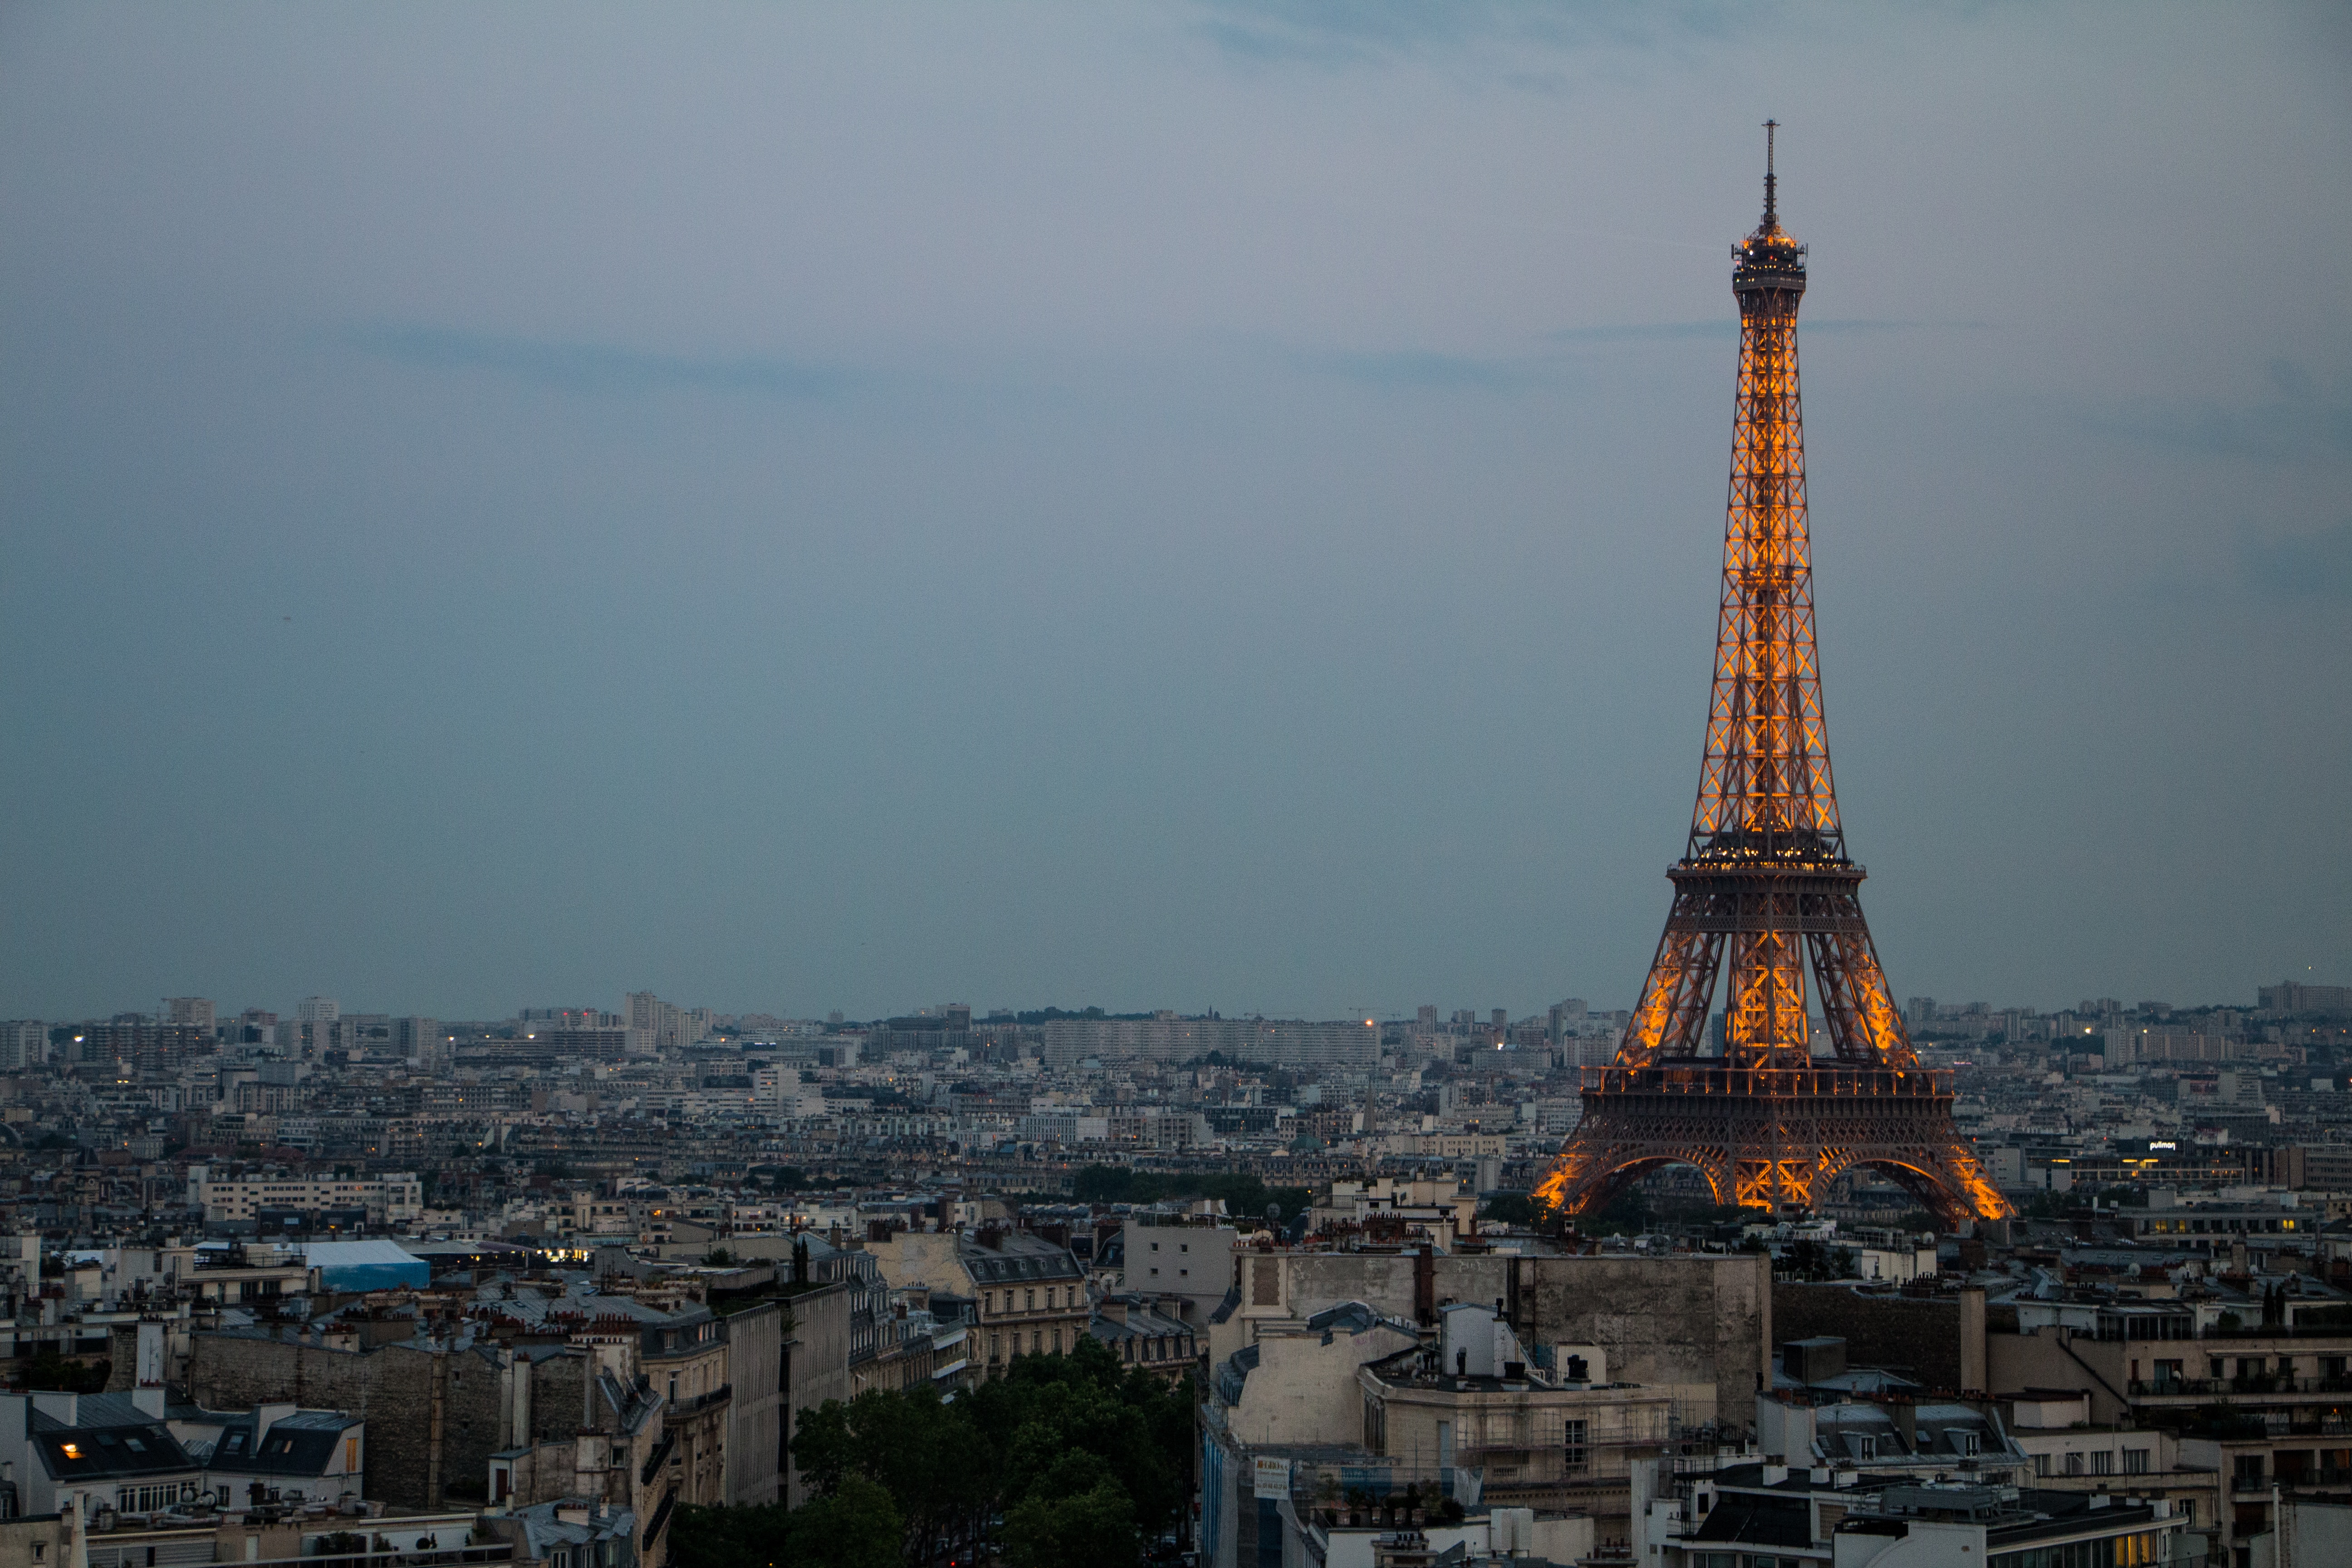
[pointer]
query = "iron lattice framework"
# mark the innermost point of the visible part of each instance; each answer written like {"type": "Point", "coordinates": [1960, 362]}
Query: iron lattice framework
{"type": "Point", "coordinates": [1765, 894]}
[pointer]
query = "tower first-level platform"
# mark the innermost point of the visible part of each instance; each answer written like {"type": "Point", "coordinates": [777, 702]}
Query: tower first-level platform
{"type": "Point", "coordinates": [1766, 901]}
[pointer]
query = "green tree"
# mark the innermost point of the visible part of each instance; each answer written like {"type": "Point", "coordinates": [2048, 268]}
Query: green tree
{"type": "Point", "coordinates": [1085, 1456]}
{"type": "Point", "coordinates": [51, 1370]}
{"type": "Point", "coordinates": [1513, 1208]}
{"type": "Point", "coordinates": [703, 1537]}
{"type": "Point", "coordinates": [857, 1527]}
{"type": "Point", "coordinates": [1095, 1529]}
{"type": "Point", "coordinates": [1627, 1214]}
{"type": "Point", "coordinates": [919, 1450]}
{"type": "Point", "coordinates": [1245, 1195]}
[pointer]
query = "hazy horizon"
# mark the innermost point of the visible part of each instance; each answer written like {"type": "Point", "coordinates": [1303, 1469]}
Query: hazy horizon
{"type": "Point", "coordinates": [1148, 506]}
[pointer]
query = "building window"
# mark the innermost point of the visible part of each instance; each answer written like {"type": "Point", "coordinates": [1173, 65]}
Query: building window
{"type": "Point", "coordinates": [2103, 1463]}
{"type": "Point", "coordinates": [2041, 1465]}
{"type": "Point", "coordinates": [2073, 1464]}
{"type": "Point", "coordinates": [1574, 1452]}
{"type": "Point", "coordinates": [2134, 1461]}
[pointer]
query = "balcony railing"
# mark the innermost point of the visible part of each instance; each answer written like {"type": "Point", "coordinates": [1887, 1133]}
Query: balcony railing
{"type": "Point", "coordinates": [703, 1400]}
{"type": "Point", "coordinates": [2218, 1387]}
{"type": "Point", "coordinates": [2243, 1485]}
{"type": "Point", "coordinates": [496, 1552]}
{"type": "Point", "coordinates": [661, 1517]}
{"type": "Point", "coordinates": [1708, 1076]}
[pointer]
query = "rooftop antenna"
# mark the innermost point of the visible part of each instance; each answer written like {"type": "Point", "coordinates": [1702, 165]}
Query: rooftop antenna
{"type": "Point", "coordinates": [1769, 220]}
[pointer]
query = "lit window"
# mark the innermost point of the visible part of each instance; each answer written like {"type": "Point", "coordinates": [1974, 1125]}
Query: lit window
{"type": "Point", "coordinates": [73, 1450]}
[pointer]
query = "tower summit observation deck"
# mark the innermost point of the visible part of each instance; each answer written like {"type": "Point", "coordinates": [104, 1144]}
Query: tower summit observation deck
{"type": "Point", "coordinates": [1765, 895]}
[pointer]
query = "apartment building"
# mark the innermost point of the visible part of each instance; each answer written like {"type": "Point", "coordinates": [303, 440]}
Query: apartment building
{"type": "Point", "coordinates": [2266, 1408]}
{"type": "Point", "coordinates": [1473, 1400]}
{"type": "Point", "coordinates": [1032, 1293]}
{"type": "Point", "coordinates": [388, 1199]}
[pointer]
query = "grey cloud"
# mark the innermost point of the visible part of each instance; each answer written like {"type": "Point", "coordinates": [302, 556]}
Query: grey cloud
{"type": "Point", "coordinates": [2305, 566]}
{"type": "Point", "coordinates": [1423, 369]}
{"type": "Point", "coordinates": [595, 367]}
{"type": "Point", "coordinates": [2270, 431]}
{"type": "Point", "coordinates": [1334, 32]}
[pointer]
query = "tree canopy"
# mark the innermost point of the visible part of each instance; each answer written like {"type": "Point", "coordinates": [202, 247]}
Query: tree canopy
{"type": "Point", "coordinates": [1086, 1458]}
{"type": "Point", "coordinates": [1245, 1195]}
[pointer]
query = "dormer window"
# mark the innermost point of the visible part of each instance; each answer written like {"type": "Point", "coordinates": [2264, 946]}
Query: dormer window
{"type": "Point", "coordinates": [1864, 1447]}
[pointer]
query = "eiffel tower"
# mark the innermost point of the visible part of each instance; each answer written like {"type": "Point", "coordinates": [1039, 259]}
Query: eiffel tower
{"type": "Point", "coordinates": [1764, 892]}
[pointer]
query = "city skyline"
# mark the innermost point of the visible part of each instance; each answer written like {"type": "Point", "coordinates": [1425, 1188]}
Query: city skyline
{"type": "Point", "coordinates": [828, 786]}
{"type": "Point", "coordinates": [175, 1009]}
{"type": "Point", "coordinates": [814, 527]}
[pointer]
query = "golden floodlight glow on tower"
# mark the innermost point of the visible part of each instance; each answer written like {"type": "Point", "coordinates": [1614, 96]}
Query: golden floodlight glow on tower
{"type": "Point", "coordinates": [1765, 896]}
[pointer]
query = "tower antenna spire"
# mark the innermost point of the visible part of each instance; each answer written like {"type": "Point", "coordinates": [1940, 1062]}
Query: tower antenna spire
{"type": "Point", "coordinates": [1771, 1110]}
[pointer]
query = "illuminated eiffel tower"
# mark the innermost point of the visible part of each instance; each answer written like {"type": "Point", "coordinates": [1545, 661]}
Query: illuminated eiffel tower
{"type": "Point", "coordinates": [1765, 891]}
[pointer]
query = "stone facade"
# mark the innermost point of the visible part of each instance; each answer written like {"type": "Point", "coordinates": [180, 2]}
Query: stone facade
{"type": "Point", "coordinates": [755, 1417]}
{"type": "Point", "coordinates": [815, 1366]}
{"type": "Point", "coordinates": [616, 1456]}
{"type": "Point", "coordinates": [688, 1363]}
{"type": "Point", "coordinates": [1700, 1326]}
{"type": "Point", "coordinates": [441, 1414]}
{"type": "Point", "coordinates": [35, 1541]}
{"type": "Point", "coordinates": [1676, 1320]}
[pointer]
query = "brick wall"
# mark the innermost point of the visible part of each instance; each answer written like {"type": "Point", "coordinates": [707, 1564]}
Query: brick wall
{"type": "Point", "coordinates": [433, 1418]}
{"type": "Point", "coordinates": [1918, 1337]}
{"type": "Point", "coordinates": [1674, 1320]}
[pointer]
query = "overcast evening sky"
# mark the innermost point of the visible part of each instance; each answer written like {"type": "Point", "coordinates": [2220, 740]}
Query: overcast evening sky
{"type": "Point", "coordinates": [1155, 505]}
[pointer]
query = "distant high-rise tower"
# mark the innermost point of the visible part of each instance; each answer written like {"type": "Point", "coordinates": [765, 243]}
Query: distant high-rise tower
{"type": "Point", "coordinates": [1765, 893]}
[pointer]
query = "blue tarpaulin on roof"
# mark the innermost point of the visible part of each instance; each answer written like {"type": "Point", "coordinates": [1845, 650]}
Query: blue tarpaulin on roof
{"type": "Point", "coordinates": [366, 1265]}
